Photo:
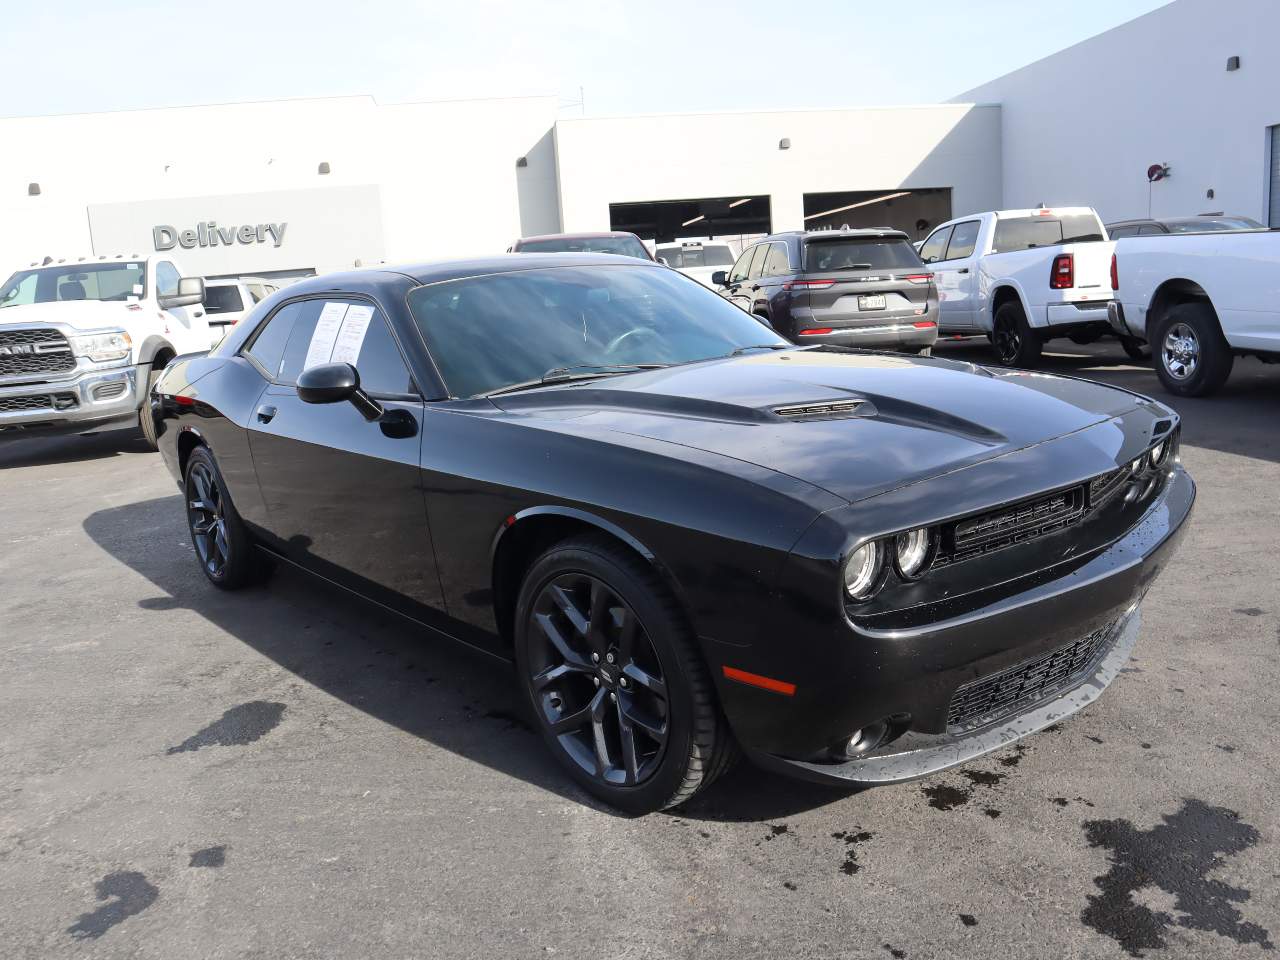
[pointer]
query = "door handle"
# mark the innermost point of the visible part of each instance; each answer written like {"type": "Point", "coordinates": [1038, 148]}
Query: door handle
{"type": "Point", "coordinates": [199, 313]}
{"type": "Point", "coordinates": [265, 413]}
{"type": "Point", "coordinates": [963, 270]}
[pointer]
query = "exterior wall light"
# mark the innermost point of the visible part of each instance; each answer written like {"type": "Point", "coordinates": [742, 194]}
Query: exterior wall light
{"type": "Point", "coordinates": [323, 170]}
{"type": "Point", "coordinates": [33, 189]}
{"type": "Point", "coordinates": [1233, 63]}
{"type": "Point", "coordinates": [522, 161]}
{"type": "Point", "coordinates": [784, 143]}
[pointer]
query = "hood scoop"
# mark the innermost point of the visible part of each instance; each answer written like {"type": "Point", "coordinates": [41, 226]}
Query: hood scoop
{"type": "Point", "coordinates": [827, 410]}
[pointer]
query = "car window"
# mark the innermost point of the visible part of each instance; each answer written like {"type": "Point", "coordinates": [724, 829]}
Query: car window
{"type": "Point", "coordinates": [757, 261]}
{"type": "Point", "coordinates": [933, 249]}
{"type": "Point", "coordinates": [776, 263]}
{"type": "Point", "coordinates": [1150, 230]}
{"type": "Point", "coordinates": [268, 344]}
{"type": "Point", "coordinates": [223, 299]}
{"type": "Point", "coordinates": [624, 246]}
{"type": "Point", "coordinates": [706, 255]}
{"type": "Point", "coordinates": [739, 271]}
{"type": "Point", "coordinates": [21, 292]}
{"type": "Point", "coordinates": [859, 253]}
{"type": "Point", "coordinates": [490, 332]}
{"type": "Point", "coordinates": [1115, 233]}
{"type": "Point", "coordinates": [1044, 230]}
{"type": "Point", "coordinates": [963, 239]}
{"type": "Point", "coordinates": [382, 368]}
{"type": "Point", "coordinates": [167, 278]}
{"type": "Point", "coordinates": [354, 332]}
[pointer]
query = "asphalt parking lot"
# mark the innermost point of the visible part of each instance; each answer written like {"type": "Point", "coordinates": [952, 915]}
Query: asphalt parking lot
{"type": "Point", "coordinates": [291, 773]}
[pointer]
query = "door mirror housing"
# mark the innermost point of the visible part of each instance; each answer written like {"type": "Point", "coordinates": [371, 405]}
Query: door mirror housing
{"type": "Point", "coordinates": [720, 278]}
{"type": "Point", "coordinates": [334, 383]}
{"type": "Point", "coordinates": [190, 292]}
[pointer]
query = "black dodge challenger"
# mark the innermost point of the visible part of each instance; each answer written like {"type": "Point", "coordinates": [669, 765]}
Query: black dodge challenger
{"type": "Point", "coordinates": [691, 537]}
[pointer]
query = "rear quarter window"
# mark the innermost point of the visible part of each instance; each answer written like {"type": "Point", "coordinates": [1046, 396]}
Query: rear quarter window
{"type": "Point", "coordinates": [860, 253]}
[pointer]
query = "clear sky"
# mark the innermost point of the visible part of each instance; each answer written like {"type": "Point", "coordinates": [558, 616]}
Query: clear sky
{"type": "Point", "coordinates": [635, 56]}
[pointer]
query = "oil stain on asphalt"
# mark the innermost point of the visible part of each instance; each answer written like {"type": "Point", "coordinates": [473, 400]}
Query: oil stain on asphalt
{"type": "Point", "coordinates": [209, 857]}
{"type": "Point", "coordinates": [851, 838]}
{"type": "Point", "coordinates": [128, 893]}
{"type": "Point", "coordinates": [239, 725]}
{"type": "Point", "coordinates": [1175, 856]}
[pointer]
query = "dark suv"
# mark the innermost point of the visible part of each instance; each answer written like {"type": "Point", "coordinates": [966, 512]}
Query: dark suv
{"type": "Point", "coordinates": [854, 288]}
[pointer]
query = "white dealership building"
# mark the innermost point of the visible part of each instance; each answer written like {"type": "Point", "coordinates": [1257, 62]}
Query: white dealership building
{"type": "Point", "coordinates": [301, 186]}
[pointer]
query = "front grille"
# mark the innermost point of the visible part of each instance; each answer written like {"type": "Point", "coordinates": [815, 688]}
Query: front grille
{"type": "Point", "coordinates": [990, 698]}
{"type": "Point", "coordinates": [1103, 488]}
{"type": "Point", "coordinates": [34, 352]}
{"type": "Point", "coordinates": [1017, 523]}
{"type": "Point", "coordinates": [43, 401]}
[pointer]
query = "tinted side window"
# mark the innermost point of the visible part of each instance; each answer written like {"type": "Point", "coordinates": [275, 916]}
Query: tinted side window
{"type": "Point", "coordinates": [222, 300]}
{"type": "Point", "coordinates": [935, 247]}
{"type": "Point", "coordinates": [268, 344]}
{"type": "Point", "coordinates": [1117, 232]}
{"type": "Point", "coordinates": [166, 279]}
{"type": "Point", "coordinates": [963, 239]}
{"type": "Point", "coordinates": [739, 271]}
{"type": "Point", "coordinates": [776, 263]}
{"type": "Point", "coordinates": [295, 352]}
{"type": "Point", "coordinates": [757, 260]}
{"type": "Point", "coordinates": [382, 369]}
{"type": "Point", "coordinates": [1151, 230]}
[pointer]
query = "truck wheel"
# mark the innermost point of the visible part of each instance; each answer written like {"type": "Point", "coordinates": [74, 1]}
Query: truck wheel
{"type": "Point", "coordinates": [1192, 357]}
{"type": "Point", "coordinates": [145, 420]}
{"type": "Point", "coordinates": [224, 549]}
{"type": "Point", "coordinates": [613, 679]}
{"type": "Point", "coordinates": [1017, 345]}
{"type": "Point", "coordinates": [1136, 349]}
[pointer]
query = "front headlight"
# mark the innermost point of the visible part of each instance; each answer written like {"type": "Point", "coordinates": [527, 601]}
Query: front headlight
{"type": "Point", "coordinates": [102, 346]}
{"type": "Point", "coordinates": [862, 571]}
{"type": "Point", "coordinates": [912, 551]}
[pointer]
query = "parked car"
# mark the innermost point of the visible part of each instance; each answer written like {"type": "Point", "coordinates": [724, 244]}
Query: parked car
{"type": "Point", "coordinates": [854, 288]}
{"type": "Point", "coordinates": [1205, 223]}
{"type": "Point", "coordinates": [1023, 277]}
{"type": "Point", "coordinates": [699, 259]}
{"type": "Point", "coordinates": [1201, 301]}
{"type": "Point", "coordinates": [228, 300]}
{"type": "Point", "coordinates": [689, 535]}
{"type": "Point", "coordinates": [617, 242]}
{"type": "Point", "coordinates": [81, 341]}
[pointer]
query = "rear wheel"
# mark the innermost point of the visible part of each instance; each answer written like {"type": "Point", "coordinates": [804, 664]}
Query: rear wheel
{"type": "Point", "coordinates": [223, 546]}
{"type": "Point", "coordinates": [1192, 357]}
{"type": "Point", "coordinates": [613, 679]}
{"type": "Point", "coordinates": [1017, 345]}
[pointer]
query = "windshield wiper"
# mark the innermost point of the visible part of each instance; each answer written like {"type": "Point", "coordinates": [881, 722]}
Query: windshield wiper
{"type": "Point", "coordinates": [739, 351]}
{"type": "Point", "coordinates": [582, 371]}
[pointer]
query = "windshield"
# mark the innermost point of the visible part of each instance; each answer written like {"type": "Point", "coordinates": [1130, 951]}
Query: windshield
{"type": "Point", "coordinates": [486, 333]}
{"type": "Point", "coordinates": [1027, 233]}
{"type": "Point", "coordinates": [78, 281]}
{"type": "Point", "coordinates": [1210, 225]}
{"type": "Point", "coordinates": [704, 256]}
{"type": "Point", "coordinates": [866, 253]}
{"type": "Point", "coordinates": [622, 246]}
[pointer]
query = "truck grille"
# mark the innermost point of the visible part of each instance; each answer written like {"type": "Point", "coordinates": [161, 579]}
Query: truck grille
{"type": "Point", "coordinates": [38, 351]}
{"type": "Point", "coordinates": [43, 401]}
{"type": "Point", "coordinates": [1001, 694]}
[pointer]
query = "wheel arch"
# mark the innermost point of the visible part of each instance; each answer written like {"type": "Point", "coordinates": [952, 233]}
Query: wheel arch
{"type": "Point", "coordinates": [1007, 292]}
{"type": "Point", "coordinates": [155, 349]}
{"type": "Point", "coordinates": [1174, 293]}
{"type": "Point", "coordinates": [188, 440]}
{"type": "Point", "coordinates": [526, 535]}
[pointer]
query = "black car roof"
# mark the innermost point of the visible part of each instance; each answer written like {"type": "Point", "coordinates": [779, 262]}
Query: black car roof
{"type": "Point", "coordinates": [437, 270]}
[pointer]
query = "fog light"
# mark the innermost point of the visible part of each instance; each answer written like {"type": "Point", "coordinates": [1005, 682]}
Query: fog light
{"type": "Point", "coordinates": [865, 740]}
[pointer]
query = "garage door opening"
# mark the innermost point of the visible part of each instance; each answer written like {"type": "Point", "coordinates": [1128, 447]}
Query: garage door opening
{"type": "Point", "coordinates": [667, 220]}
{"type": "Point", "coordinates": [915, 212]}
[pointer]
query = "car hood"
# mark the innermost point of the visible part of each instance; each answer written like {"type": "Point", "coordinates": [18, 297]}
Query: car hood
{"type": "Point", "coordinates": [81, 314]}
{"type": "Point", "coordinates": [918, 417]}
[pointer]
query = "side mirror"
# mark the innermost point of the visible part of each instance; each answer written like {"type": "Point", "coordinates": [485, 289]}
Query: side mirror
{"type": "Point", "coordinates": [720, 278]}
{"type": "Point", "coordinates": [333, 383]}
{"type": "Point", "coordinates": [663, 261]}
{"type": "Point", "coordinates": [190, 292]}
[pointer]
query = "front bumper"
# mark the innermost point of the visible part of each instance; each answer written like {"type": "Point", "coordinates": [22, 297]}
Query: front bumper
{"type": "Point", "coordinates": [90, 398]}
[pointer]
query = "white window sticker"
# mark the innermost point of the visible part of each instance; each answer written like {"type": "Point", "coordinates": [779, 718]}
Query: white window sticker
{"type": "Point", "coordinates": [326, 332]}
{"type": "Point", "coordinates": [351, 336]}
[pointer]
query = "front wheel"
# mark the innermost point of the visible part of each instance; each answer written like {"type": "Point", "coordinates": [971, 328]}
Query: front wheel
{"type": "Point", "coordinates": [613, 680]}
{"type": "Point", "coordinates": [1192, 357]}
{"type": "Point", "coordinates": [146, 419]}
{"type": "Point", "coordinates": [1017, 345]}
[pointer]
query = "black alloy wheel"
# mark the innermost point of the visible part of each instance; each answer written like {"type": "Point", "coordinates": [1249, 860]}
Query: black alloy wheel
{"type": "Point", "coordinates": [614, 680]}
{"type": "Point", "coordinates": [1017, 345]}
{"type": "Point", "coordinates": [223, 546]}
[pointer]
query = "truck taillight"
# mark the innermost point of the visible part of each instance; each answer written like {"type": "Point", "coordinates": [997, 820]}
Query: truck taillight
{"type": "Point", "coordinates": [1062, 276]}
{"type": "Point", "coordinates": [1115, 273]}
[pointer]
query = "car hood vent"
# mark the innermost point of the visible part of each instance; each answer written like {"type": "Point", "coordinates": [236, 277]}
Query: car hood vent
{"type": "Point", "coordinates": [826, 409]}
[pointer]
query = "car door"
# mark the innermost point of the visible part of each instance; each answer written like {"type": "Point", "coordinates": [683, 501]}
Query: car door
{"type": "Point", "coordinates": [741, 277]}
{"type": "Point", "coordinates": [772, 300]}
{"type": "Point", "coordinates": [344, 495]}
{"type": "Point", "coordinates": [187, 327]}
{"type": "Point", "coordinates": [961, 270]}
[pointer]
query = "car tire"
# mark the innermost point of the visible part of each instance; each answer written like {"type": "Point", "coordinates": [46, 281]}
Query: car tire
{"type": "Point", "coordinates": [146, 419]}
{"type": "Point", "coordinates": [1016, 344]}
{"type": "Point", "coordinates": [1192, 357]}
{"type": "Point", "coordinates": [224, 549]}
{"type": "Point", "coordinates": [1136, 349]}
{"type": "Point", "coordinates": [637, 675]}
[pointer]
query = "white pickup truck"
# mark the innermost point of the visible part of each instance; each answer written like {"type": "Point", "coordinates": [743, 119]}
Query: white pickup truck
{"type": "Point", "coordinates": [1023, 277]}
{"type": "Point", "coordinates": [82, 341]}
{"type": "Point", "coordinates": [1200, 300]}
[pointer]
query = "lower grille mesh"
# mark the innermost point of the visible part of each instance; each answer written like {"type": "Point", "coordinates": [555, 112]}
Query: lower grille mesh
{"type": "Point", "coordinates": [1000, 694]}
{"type": "Point", "coordinates": [43, 401]}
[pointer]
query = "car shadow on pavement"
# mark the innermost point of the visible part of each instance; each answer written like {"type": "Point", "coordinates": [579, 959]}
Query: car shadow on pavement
{"type": "Point", "coordinates": [1240, 419]}
{"type": "Point", "coordinates": [17, 450]}
{"type": "Point", "coordinates": [383, 665]}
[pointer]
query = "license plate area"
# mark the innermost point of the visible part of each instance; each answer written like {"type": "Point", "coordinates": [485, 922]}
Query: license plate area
{"type": "Point", "coordinates": [871, 301]}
